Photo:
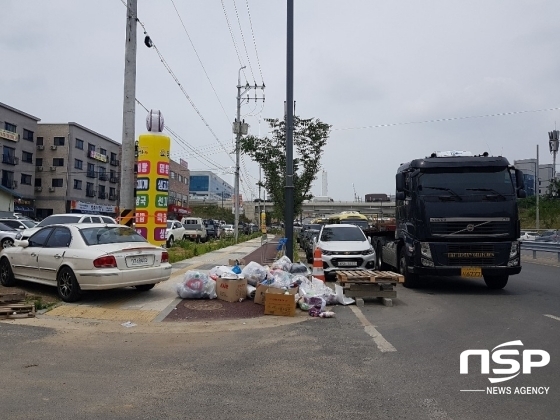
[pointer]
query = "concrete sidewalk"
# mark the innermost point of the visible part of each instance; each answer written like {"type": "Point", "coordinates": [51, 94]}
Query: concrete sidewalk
{"type": "Point", "coordinates": [130, 305]}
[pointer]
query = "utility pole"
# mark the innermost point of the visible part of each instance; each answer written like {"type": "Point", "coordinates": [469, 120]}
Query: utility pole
{"type": "Point", "coordinates": [240, 128]}
{"type": "Point", "coordinates": [289, 194]}
{"type": "Point", "coordinates": [128, 176]}
{"type": "Point", "coordinates": [553, 137]}
{"type": "Point", "coordinates": [537, 188]}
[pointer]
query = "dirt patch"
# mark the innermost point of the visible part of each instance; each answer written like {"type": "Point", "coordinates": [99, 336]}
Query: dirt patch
{"type": "Point", "coordinates": [43, 296]}
{"type": "Point", "coordinates": [204, 310]}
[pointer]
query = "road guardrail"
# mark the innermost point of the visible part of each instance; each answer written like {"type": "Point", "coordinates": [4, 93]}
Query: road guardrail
{"type": "Point", "coordinates": [535, 246]}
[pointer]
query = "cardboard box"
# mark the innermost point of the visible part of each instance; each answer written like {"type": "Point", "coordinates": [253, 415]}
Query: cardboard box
{"type": "Point", "coordinates": [231, 290]}
{"type": "Point", "coordinates": [241, 262]}
{"type": "Point", "coordinates": [261, 290]}
{"type": "Point", "coordinates": [277, 302]}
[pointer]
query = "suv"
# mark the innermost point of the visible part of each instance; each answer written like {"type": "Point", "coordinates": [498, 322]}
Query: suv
{"type": "Point", "coordinates": [64, 219]}
{"type": "Point", "coordinates": [175, 232]}
{"type": "Point", "coordinates": [345, 247]}
{"type": "Point", "coordinates": [19, 224]}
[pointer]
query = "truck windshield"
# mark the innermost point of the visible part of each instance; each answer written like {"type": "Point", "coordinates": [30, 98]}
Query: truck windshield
{"type": "Point", "coordinates": [468, 182]}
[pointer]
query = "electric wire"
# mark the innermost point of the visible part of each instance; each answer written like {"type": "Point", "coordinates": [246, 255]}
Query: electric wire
{"type": "Point", "coordinates": [254, 41]}
{"type": "Point", "coordinates": [244, 43]}
{"type": "Point", "coordinates": [233, 39]}
{"type": "Point", "coordinates": [499, 114]}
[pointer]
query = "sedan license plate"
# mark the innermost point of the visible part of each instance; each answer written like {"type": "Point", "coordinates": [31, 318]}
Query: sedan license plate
{"type": "Point", "coordinates": [347, 263]}
{"type": "Point", "coordinates": [140, 261]}
{"type": "Point", "coordinates": [471, 272]}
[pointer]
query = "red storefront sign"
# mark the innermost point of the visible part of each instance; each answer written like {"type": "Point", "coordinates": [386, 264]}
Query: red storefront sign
{"type": "Point", "coordinates": [185, 211]}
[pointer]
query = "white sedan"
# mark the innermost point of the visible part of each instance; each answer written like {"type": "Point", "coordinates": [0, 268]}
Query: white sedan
{"type": "Point", "coordinates": [76, 257]}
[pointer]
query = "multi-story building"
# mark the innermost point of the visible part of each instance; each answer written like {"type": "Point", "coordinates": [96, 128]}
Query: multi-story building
{"type": "Point", "coordinates": [529, 168]}
{"type": "Point", "coordinates": [17, 139]}
{"type": "Point", "coordinates": [179, 180]}
{"type": "Point", "coordinates": [208, 185]}
{"type": "Point", "coordinates": [77, 170]}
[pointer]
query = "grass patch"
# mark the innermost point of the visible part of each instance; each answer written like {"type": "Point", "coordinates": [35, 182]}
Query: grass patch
{"type": "Point", "coordinates": [39, 302]}
{"type": "Point", "coordinates": [183, 250]}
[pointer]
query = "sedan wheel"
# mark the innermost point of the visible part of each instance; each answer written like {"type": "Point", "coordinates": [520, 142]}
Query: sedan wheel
{"type": "Point", "coordinates": [7, 243]}
{"type": "Point", "coordinates": [6, 274]}
{"type": "Point", "coordinates": [67, 285]}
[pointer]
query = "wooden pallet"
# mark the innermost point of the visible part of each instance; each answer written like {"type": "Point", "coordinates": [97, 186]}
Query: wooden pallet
{"type": "Point", "coordinates": [368, 276]}
{"type": "Point", "coordinates": [13, 306]}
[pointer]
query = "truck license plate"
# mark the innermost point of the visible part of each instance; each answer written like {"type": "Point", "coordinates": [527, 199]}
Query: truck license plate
{"type": "Point", "coordinates": [347, 263]}
{"type": "Point", "coordinates": [471, 272]}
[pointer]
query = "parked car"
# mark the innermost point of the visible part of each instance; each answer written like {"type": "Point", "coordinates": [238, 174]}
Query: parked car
{"type": "Point", "coordinates": [311, 236]}
{"type": "Point", "coordinates": [250, 228]}
{"type": "Point", "coordinates": [79, 256]}
{"type": "Point", "coordinates": [549, 236]}
{"type": "Point", "coordinates": [7, 235]}
{"type": "Point", "coordinates": [228, 230]}
{"type": "Point", "coordinates": [528, 236]}
{"type": "Point", "coordinates": [67, 218]}
{"type": "Point", "coordinates": [345, 247]}
{"type": "Point", "coordinates": [19, 224]}
{"type": "Point", "coordinates": [175, 231]}
{"type": "Point", "coordinates": [213, 229]}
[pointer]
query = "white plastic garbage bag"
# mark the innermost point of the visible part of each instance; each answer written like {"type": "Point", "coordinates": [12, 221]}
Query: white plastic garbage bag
{"type": "Point", "coordinates": [254, 273]}
{"type": "Point", "coordinates": [316, 287]}
{"type": "Point", "coordinates": [196, 285]}
{"type": "Point", "coordinates": [343, 300]}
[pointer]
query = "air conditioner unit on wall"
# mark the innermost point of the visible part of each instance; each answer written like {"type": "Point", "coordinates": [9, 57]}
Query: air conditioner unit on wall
{"type": "Point", "coordinates": [39, 168]}
{"type": "Point", "coordinates": [38, 189]}
{"type": "Point", "coordinates": [51, 189]}
{"type": "Point", "coordinates": [40, 147]}
{"type": "Point", "coordinates": [53, 168]}
{"type": "Point", "coordinates": [53, 147]}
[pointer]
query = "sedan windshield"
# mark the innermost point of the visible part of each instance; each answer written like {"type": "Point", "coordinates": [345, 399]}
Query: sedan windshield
{"type": "Point", "coordinates": [342, 233]}
{"type": "Point", "coordinates": [6, 228]}
{"type": "Point", "coordinates": [110, 235]}
{"type": "Point", "coordinates": [28, 223]}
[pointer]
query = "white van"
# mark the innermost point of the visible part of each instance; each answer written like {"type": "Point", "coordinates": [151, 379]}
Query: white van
{"type": "Point", "coordinates": [195, 229]}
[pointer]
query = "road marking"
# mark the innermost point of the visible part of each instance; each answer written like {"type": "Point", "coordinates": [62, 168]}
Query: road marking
{"type": "Point", "coordinates": [553, 317]}
{"type": "Point", "coordinates": [382, 344]}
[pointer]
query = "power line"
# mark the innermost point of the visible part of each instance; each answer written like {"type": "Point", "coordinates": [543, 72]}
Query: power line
{"type": "Point", "coordinates": [233, 39]}
{"type": "Point", "coordinates": [200, 61]}
{"type": "Point", "coordinates": [244, 43]}
{"type": "Point", "coordinates": [500, 114]}
{"type": "Point", "coordinates": [254, 41]}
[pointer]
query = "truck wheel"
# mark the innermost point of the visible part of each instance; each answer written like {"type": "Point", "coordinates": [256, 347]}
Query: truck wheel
{"type": "Point", "coordinates": [410, 279]}
{"type": "Point", "coordinates": [380, 265]}
{"type": "Point", "coordinates": [496, 282]}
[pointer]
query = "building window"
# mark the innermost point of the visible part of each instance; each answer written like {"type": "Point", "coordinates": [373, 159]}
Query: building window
{"type": "Point", "coordinates": [78, 164]}
{"type": "Point", "coordinates": [58, 162]}
{"type": "Point", "coordinates": [10, 127]}
{"type": "Point", "coordinates": [113, 157]}
{"type": "Point", "coordinates": [39, 162]}
{"type": "Point", "coordinates": [57, 182]}
{"type": "Point", "coordinates": [27, 157]}
{"type": "Point", "coordinates": [27, 135]}
{"type": "Point", "coordinates": [111, 192]}
{"type": "Point", "coordinates": [39, 141]}
{"type": "Point", "coordinates": [77, 184]}
{"type": "Point", "coordinates": [25, 179]}
{"type": "Point", "coordinates": [79, 144]}
{"type": "Point", "coordinates": [59, 141]}
{"type": "Point", "coordinates": [9, 155]}
{"type": "Point", "coordinates": [103, 151]}
{"type": "Point", "coordinates": [38, 182]}
{"type": "Point", "coordinates": [91, 170]}
{"type": "Point", "coordinates": [180, 178]}
{"type": "Point", "coordinates": [91, 147]}
{"type": "Point", "coordinates": [172, 174]}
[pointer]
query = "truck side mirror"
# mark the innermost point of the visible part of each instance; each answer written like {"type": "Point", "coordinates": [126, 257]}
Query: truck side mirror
{"type": "Point", "coordinates": [521, 193]}
{"type": "Point", "coordinates": [520, 183]}
{"type": "Point", "coordinates": [400, 195]}
{"type": "Point", "coordinates": [399, 178]}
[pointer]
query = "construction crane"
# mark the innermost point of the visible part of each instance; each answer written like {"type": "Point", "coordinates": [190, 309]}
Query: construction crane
{"type": "Point", "coordinates": [356, 198]}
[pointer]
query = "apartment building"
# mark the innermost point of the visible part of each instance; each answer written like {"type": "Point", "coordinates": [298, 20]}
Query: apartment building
{"type": "Point", "coordinates": [179, 182]}
{"type": "Point", "coordinates": [17, 140]}
{"type": "Point", "coordinates": [529, 168]}
{"type": "Point", "coordinates": [208, 185]}
{"type": "Point", "coordinates": [77, 170]}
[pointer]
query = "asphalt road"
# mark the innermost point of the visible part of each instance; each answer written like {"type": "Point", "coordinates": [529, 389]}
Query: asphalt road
{"type": "Point", "coordinates": [399, 362]}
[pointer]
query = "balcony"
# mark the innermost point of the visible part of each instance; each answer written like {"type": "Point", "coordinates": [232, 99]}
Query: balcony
{"type": "Point", "coordinates": [10, 159]}
{"type": "Point", "coordinates": [103, 177]}
{"type": "Point", "coordinates": [113, 197]}
{"type": "Point", "coordinates": [90, 193]}
{"type": "Point", "coordinates": [90, 174]}
{"type": "Point", "coordinates": [8, 183]}
{"type": "Point", "coordinates": [114, 162]}
{"type": "Point", "coordinates": [102, 195]}
{"type": "Point", "coordinates": [113, 180]}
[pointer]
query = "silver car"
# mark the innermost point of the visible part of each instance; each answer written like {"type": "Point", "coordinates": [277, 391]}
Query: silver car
{"type": "Point", "coordinates": [7, 236]}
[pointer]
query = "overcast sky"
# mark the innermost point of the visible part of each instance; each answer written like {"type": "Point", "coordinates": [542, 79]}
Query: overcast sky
{"type": "Point", "coordinates": [377, 71]}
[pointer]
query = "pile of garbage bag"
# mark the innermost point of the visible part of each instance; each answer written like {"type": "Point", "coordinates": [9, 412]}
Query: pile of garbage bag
{"type": "Point", "coordinates": [196, 285]}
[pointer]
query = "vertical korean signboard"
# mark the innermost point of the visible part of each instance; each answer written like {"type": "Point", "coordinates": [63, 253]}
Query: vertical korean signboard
{"type": "Point", "coordinates": [152, 186]}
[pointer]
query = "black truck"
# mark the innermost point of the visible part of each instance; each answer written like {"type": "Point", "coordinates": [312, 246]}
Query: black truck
{"type": "Point", "coordinates": [456, 215]}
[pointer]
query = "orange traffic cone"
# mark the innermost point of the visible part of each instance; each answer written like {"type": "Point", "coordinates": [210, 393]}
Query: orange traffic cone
{"type": "Point", "coordinates": [318, 272]}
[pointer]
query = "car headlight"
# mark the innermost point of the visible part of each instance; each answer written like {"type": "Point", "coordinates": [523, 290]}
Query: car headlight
{"type": "Point", "coordinates": [18, 236]}
{"type": "Point", "coordinates": [325, 252]}
{"type": "Point", "coordinates": [514, 249]}
{"type": "Point", "coordinates": [368, 251]}
{"type": "Point", "coordinates": [425, 250]}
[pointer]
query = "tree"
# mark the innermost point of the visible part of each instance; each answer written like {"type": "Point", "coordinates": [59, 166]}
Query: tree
{"type": "Point", "coordinates": [554, 188]}
{"type": "Point", "coordinates": [310, 136]}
